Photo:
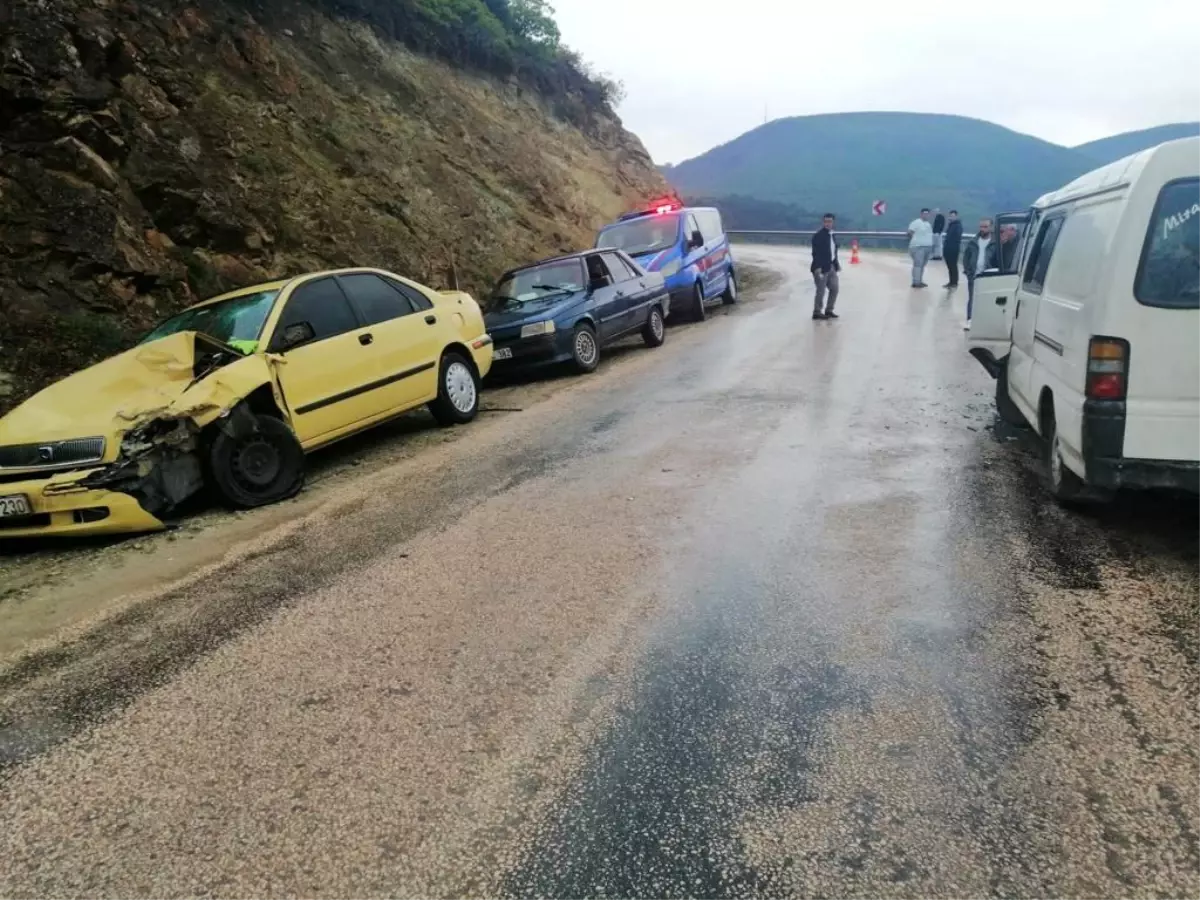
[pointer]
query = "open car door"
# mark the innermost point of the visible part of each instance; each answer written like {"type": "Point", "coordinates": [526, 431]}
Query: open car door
{"type": "Point", "coordinates": [990, 337]}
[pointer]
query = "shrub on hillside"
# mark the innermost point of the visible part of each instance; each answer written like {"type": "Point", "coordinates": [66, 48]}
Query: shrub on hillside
{"type": "Point", "coordinates": [504, 37]}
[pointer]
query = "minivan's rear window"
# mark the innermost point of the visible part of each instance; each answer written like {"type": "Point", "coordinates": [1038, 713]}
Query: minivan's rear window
{"type": "Point", "coordinates": [1169, 271]}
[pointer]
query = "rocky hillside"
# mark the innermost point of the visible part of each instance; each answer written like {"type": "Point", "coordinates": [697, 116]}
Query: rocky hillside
{"type": "Point", "coordinates": [153, 153]}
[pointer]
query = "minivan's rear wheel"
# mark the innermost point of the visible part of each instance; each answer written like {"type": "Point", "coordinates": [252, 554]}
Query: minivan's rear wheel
{"type": "Point", "coordinates": [655, 331]}
{"type": "Point", "coordinates": [259, 466]}
{"type": "Point", "coordinates": [731, 290]}
{"type": "Point", "coordinates": [585, 348]}
{"type": "Point", "coordinates": [458, 391]}
{"type": "Point", "coordinates": [1065, 485]}
{"type": "Point", "coordinates": [1008, 410]}
{"type": "Point", "coordinates": [699, 312]}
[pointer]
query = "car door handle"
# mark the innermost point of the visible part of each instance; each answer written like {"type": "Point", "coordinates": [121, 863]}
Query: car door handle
{"type": "Point", "coordinates": [365, 339]}
{"type": "Point", "coordinates": [1001, 301]}
{"type": "Point", "coordinates": [431, 320]}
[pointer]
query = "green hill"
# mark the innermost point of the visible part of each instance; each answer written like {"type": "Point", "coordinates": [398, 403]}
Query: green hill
{"type": "Point", "coordinates": [843, 162]}
{"type": "Point", "coordinates": [1110, 149]}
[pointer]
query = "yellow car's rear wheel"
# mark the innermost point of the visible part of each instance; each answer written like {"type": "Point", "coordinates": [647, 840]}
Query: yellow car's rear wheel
{"type": "Point", "coordinates": [458, 391]}
{"type": "Point", "coordinates": [257, 466]}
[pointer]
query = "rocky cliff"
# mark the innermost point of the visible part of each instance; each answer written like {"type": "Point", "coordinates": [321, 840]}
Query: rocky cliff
{"type": "Point", "coordinates": [153, 153]}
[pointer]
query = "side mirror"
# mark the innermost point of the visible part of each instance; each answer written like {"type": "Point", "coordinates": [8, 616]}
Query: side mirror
{"type": "Point", "coordinates": [696, 241]}
{"type": "Point", "coordinates": [296, 334]}
{"type": "Point", "coordinates": [597, 283]}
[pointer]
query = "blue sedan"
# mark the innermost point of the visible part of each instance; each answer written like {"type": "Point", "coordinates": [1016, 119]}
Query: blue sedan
{"type": "Point", "coordinates": [564, 310]}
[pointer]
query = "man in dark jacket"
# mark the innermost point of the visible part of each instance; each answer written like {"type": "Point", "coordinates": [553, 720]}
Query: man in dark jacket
{"type": "Point", "coordinates": [975, 255]}
{"type": "Point", "coordinates": [939, 226]}
{"type": "Point", "coordinates": [952, 247]}
{"type": "Point", "coordinates": [825, 268]}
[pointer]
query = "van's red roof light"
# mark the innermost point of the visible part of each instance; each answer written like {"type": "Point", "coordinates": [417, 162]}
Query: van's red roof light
{"type": "Point", "coordinates": [663, 209]}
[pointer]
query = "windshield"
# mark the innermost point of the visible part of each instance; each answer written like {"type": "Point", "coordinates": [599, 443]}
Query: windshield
{"type": "Point", "coordinates": [647, 235]}
{"type": "Point", "coordinates": [538, 282]}
{"type": "Point", "coordinates": [238, 321]}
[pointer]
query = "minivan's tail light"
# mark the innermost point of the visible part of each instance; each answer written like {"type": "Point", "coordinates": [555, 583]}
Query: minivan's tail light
{"type": "Point", "coordinates": [1108, 368]}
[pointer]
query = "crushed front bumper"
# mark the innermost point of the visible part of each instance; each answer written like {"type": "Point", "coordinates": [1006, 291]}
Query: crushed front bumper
{"type": "Point", "coordinates": [62, 506]}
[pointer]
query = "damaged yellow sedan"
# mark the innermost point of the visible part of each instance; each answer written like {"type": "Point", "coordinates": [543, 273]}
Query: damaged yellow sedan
{"type": "Point", "coordinates": [230, 394]}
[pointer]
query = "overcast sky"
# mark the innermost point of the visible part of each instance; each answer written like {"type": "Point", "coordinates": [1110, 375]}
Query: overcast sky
{"type": "Point", "coordinates": [699, 72]}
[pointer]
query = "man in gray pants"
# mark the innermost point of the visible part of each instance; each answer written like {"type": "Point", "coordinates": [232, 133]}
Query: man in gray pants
{"type": "Point", "coordinates": [920, 246]}
{"type": "Point", "coordinates": [825, 268]}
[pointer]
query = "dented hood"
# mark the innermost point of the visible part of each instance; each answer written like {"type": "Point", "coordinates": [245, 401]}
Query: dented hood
{"type": "Point", "coordinates": [148, 381]}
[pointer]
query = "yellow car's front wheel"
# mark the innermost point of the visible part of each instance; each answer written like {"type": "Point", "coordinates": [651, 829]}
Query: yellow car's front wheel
{"type": "Point", "coordinates": [257, 464]}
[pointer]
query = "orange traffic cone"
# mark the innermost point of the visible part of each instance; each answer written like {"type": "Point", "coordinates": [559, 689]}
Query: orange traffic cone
{"type": "Point", "coordinates": [854, 260]}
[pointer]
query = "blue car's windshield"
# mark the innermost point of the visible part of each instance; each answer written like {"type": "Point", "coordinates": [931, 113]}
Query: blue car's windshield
{"type": "Point", "coordinates": [238, 321]}
{"type": "Point", "coordinates": [648, 235]}
{"type": "Point", "coordinates": [537, 282]}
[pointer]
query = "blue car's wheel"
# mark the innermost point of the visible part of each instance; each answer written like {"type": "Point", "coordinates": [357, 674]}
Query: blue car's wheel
{"type": "Point", "coordinates": [699, 312]}
{"type": "Point", "coordinates": [585, 348]}
{"type": "Point", "coordinates": [655, 331]}
{"type": "Point", "coordinates": [731, 290]}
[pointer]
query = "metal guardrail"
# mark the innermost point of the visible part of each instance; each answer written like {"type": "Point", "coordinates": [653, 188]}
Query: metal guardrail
{"type": "Point", "coordinates": [806, 234]}
{"type": "Point", "coordinates": [865, 239]}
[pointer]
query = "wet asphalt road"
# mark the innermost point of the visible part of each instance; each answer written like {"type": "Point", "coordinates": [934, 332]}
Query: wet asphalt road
{"type": "Point", "coordinates": [773, 610]}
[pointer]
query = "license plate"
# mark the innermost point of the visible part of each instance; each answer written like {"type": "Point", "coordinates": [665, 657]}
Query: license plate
{"type": "Point", "coordinates": [502, 353]}
{"type": "Point", "coordinates": [14, 505]}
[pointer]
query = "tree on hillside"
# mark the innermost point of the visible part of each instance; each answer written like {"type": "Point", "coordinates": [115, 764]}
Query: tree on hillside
{"type": "Point", "coordinates": [506, 37]}
{"type": "Point", "coordinates": [533, 20]}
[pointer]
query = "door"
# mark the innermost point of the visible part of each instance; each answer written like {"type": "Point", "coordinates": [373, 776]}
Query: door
{"type": "Point", "coordinates": [323, 375]}
{"type": "Point", "coordinates": [630, 293]}
{"type": "Point", "coordinates": [716, 252]}
{"type": "Point", "coordinates": [407, 339]}
{"type": "Point", "coordinates": [995, 291]}
{"type": "Point", "coordinates": [606, 305]}
{"type": "Point", "coordinates": [990, 337]}
{"type": "Point", "coordinates": [1163, 316]}
{"type": "Point", "coordinates": [697, 255]}
{"type": "Point", "coordinates": [1027, 342]}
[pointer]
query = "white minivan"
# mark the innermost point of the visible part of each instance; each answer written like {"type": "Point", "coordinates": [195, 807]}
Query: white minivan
{"type": "Point", "coordinates": [1091, 326]}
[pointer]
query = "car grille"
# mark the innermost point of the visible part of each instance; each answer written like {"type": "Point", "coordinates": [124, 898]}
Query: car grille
{"type": "Point", "coordinates": [52, 454]}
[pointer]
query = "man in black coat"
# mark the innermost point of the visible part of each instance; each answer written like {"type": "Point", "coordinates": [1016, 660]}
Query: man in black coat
{"type": "Point", "coordinates": [825, 268]}
{"type": "Point", "coordinates": [952, 247]}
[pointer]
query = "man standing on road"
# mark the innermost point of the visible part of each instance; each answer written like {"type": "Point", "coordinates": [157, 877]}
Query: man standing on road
{"type": "Point", "coordinates": [952, 247]}
{"type": "Point", "coordinates": [975, 255]}
{"type": "Point", "coordinates": [920, 246]}
{"type": "Point", "coordinates": [939, 226]}
{"type": "Point", "coordinates": [825, 268]}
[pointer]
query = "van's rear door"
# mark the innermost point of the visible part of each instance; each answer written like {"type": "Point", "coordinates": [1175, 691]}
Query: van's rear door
{"type": "Point", "coordinates": [1162, 326]}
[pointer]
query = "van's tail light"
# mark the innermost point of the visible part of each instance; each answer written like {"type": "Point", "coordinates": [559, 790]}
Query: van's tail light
{"type": "Point", "coordinates": [1108, 368]}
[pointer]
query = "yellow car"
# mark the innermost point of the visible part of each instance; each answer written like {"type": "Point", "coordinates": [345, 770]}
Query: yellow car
{"type": "Point", "coordinates": [230, 394]}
